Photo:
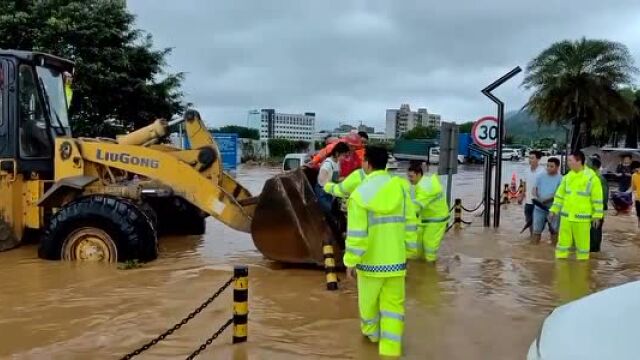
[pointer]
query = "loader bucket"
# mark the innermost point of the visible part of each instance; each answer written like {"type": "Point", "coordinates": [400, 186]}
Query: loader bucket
{"type": "Point", "coordinates": [288, 224]}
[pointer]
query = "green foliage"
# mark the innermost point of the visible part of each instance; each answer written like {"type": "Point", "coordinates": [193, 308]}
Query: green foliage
{"type": "Point", "coordinates": [118, 74]}
{"type": "Point", "coordinates": [525, 128]}
{"type": "Point", "coordinates": [420, 132]}
{"type": "Point", "coordinates": [630, 127]}
{"type": "Point", "coordinates": [281, 147]}
{"type": "Point", "coordinates": [243, 132]}
{"type": "Point", "coordinates": [576, 82]}
{"type": "Point", "coordinates": [466, 127]}
{"type": "Point", "coordinates": [509, 139]}
{"type": "Point", "coordinates": [544, 143]}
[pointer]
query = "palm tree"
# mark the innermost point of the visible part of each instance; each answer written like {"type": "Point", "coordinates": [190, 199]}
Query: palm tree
{"type": "Point", "coordinates": [577, 83]}
{"type": "Point", "coordinates": [631, 138]}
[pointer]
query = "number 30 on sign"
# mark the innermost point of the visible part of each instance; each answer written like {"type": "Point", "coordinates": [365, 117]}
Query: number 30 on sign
{"type": "Point", "coordinates": [485, 132]}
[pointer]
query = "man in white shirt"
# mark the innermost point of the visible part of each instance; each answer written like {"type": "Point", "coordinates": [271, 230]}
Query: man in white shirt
{"type": "Point", "coordinates": [330, 171]}
{"type": "Point", "coordinates": [531, 175]}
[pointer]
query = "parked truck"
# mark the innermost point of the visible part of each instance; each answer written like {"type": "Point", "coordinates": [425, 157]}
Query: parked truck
{"type": "Point", "coordinates": [428, 150]}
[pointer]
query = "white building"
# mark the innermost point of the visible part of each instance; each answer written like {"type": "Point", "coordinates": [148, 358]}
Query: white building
{"type": "Point", "coordinates": [399, 121]}
{"type": "Point", "coordinates": [273, 125]}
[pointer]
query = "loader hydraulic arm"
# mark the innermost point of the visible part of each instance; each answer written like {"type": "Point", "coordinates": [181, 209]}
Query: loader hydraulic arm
{"type": "Point", "coordinates": [206, 187]}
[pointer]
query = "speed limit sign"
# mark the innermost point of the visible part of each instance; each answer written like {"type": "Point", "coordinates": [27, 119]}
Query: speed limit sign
{"type": "Point", "coordinates": [485, 132]}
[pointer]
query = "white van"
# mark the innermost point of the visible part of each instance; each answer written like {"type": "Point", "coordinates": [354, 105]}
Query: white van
{"type": "Point", "coordinates": [294, 161]}
{"type": "Point", "coordinates": [510, 154]}
{"type": "Point", "coordinates": [392, 163]}
{"type": "Point", "coordinates": [434, 156]}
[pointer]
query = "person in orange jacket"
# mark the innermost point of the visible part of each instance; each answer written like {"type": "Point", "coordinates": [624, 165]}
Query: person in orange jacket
{"type": "Point", "coordinates": [319, 158]}
{"type": "Point", "coordinates": [356, 143]}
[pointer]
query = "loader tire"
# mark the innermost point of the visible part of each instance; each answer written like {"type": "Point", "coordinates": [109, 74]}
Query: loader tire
{"type": "Point", "coordinates": [151, 214]}
{"type": "Point", "coordinates": [100, 228]}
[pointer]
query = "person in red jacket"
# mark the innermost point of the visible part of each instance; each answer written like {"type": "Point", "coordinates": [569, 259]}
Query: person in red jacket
{"type": "Point", "coordinates": [353, 161]}
{"type": "Point", "coordinates": [319, 158]}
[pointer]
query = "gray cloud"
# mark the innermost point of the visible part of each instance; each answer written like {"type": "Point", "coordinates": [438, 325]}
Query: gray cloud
{"type": "Point", "coordinates": [351, 60]}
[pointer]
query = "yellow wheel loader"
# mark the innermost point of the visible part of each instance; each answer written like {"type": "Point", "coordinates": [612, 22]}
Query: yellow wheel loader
{"type": "Point", "coordinates": [102, 199]}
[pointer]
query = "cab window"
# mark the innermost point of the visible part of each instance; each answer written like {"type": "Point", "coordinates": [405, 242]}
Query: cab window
{"type": "Point", "coordinates": [35, 141]}
{"type": "Point", "coordinates": [291, 163]}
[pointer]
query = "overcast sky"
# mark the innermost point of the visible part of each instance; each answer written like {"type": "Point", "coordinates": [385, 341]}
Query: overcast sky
{"type": "Point", "coordinates": [348, 61]}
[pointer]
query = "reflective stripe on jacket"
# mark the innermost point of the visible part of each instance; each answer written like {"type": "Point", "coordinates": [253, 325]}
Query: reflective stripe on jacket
{"type": "Point", "coordinates": [579, 197]}
{"type": "Point", "coordinates": [376, 242]}
{"type": "Point", "coordinates": [429, 199]}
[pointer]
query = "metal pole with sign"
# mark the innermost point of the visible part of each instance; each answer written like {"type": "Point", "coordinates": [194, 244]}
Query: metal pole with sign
{"type": "Point", "coordinates": [487, 155]}
{"type": "Point", "coordinates": [498, 180]}
{"type": "Point", "coordinates": [448, 163]}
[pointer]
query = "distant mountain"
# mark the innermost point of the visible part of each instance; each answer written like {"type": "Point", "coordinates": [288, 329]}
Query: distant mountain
{"type": "Point", "coordinates": [524, 128]}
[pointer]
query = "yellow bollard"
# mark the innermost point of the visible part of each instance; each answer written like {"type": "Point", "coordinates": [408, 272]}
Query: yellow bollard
{"type": "Point", "coordinates": [330, 267]}
{"type": "Point", "coordinates": [457, 213]}
{"type": "Point", "coordinates": [505, 194]}
{"type": "Point", "coordinates": [240, 303]}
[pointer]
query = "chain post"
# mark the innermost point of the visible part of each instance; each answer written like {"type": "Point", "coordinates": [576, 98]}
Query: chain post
{"type": "Point", "coordinates": [505, 194]}
{"type": "Point", "coordinates": [240, 304]}
{"type": "Point", "coordinates": [457, 213]}
{"type": "Point", "coordinates": [521, 191]}
{"type": "Point", "coordinates": [330, 267]}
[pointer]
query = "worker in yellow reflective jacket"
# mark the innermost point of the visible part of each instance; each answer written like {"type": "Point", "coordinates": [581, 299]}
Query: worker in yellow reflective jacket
{"type": "Point", "coordinates": [347, 186]}
{"type": "Point", "coordinates": [579, 202]}
{"type": "Point", "coordinates": [433, 210]}
{"type": "Point", "coordinates": [344, 188]}
{"type": "Point", "coordinates": [68, 91]}
{"type": "Point", "coordinates": [376, 250]}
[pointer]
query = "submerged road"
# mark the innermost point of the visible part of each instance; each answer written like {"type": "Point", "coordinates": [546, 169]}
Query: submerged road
{"type": "Point", "coordinates": [485, 299]}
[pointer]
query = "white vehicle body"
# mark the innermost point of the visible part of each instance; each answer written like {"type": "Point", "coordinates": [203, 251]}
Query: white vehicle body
{"type": "Point", "coordinates": [294, 161]}
{"type": "Point", "coordinates": [434, 156]}
{"type": "Point", "coordinates": [392, 163]}
{"type": "Point", "coordinates": [604, 325]}
{"type": "Point", "coordinates": [510, 154]}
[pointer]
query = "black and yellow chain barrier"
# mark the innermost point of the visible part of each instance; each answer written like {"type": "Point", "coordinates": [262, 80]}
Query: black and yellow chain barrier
{"type": "Point", "coordinates": [330, 267]}
{"type": "Point", "coordinates": [239, 320]}
{"type": "Point", "coordinates": [240, 304]}
{"type": "Point", "coordinates": [457, 214]}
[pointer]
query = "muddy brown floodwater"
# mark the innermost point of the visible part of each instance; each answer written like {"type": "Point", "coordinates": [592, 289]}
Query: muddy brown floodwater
{"type": "Point", "coordinates": [485, 299]}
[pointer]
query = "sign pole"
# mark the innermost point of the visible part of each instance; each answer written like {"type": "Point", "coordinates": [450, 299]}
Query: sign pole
{"type": "Point", "coordinates": [448, 164]}
{"type": "Point", "coordinates": [453, 158]}
{"type": "Point", "coordinates": [498, 180]}
{"type": "Point", "coordinates": [486, 216]}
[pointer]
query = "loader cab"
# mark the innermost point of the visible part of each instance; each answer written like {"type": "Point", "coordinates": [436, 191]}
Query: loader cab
{"type": "Point", "coordinates": [33, 111]}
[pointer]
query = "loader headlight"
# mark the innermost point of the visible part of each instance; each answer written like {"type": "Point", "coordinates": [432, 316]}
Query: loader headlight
{"type": "Point", "coordinates": [65, 150]}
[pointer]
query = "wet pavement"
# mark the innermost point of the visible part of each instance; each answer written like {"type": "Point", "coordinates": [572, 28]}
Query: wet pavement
{"type": "Point", "coordinates": [485, 299]}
